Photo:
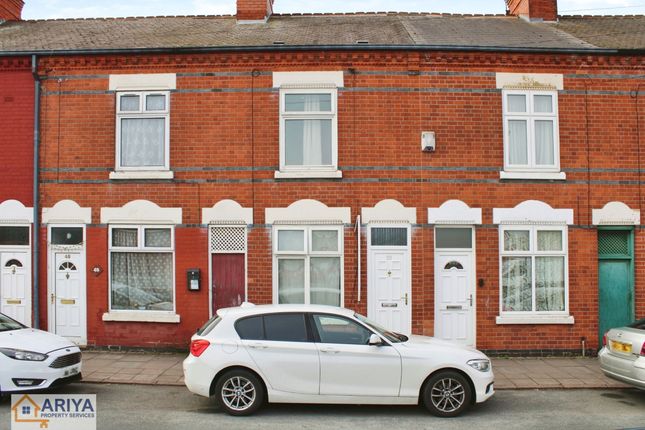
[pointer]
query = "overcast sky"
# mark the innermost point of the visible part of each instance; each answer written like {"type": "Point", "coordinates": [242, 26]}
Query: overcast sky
{"type": "Point", "coordinates": [45, 9]}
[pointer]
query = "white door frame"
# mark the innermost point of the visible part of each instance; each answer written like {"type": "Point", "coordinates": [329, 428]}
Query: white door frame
{"type": "Point", "coordinates": [407, 250]}
{"type": "Point", "coordinates": [10, 249]}
{"type": "Point", "coordinates": [52, 250]}
{"type": "Point", "coordinates": [473, 270]}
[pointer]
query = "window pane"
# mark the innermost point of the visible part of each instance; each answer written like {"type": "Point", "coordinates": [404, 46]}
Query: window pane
{"type": "Point", "coordinates": [285, 328]}
{"type": "Point", "coordinates": [125, 237]}
{"type": "Point", "coordinates": [516, 284]}
{"type": "Point", "coordinates": [129, 103]}
{"type": "Point", "coordinates": [67, 235]}
{"type": "Point", "coordinates": [308, 142]}
{"type": "Point", "coordinates": [14, 235]}
{"type": "Point", "coordinates": [549, 240]}
{"type": "Point", "coordinates": [549, 283]}
{"type": "Point", "coordinates": [517, 142]}
{"type": "Point", "coordinates": [454, 237]}
{"type": "Point", "coordinates": [543, 104]}
{"type": "Point", "coordinates": [156, 102]}
{"type": "Point", "coordinates": [250, 328]}
{"type": "Point", "coordinates": [307, 103]}
{"type": "Point", "coordinates": [291, 240]}
{"type": "Point", "coordinates": [142, 281]}
{"type": "Point", "coordinates": [143, 142]}
{"type": "Point", "coordinates": [291, 281]}
{"type": "Point", "coordinates": [333, 329]}
{"type": "Point", "coordinates": [387, 236]}
{"type": "Point", "coordinates": [325, 281]}
{"type": "Point", "coordinates": [517, 240]}
{"type": "Point", "coordinates": [544, 145]}
{"type": "Point", "coordinates": [324, 240]}
{"type": "Point", "coordinates": [516, 103]}
{"type": "Point", "coordinates": [158, 238]}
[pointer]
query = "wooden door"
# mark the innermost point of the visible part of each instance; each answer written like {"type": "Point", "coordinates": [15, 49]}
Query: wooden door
{"type": "Point", "coordinates": [229, 277]}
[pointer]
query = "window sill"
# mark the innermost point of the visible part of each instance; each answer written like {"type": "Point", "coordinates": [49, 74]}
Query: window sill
{"type": "Point", "coordinates": [148, 316]}
{"type": "Point", "coordinates": [315, 174]}
{"type": "Point", "coordinates": [534, 319]}
{"type": "Point", "coordinates": [551, 176]}
{"type": "Point", "coordinates": [151, 174]}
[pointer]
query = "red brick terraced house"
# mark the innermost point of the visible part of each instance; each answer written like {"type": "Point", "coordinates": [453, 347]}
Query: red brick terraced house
{"type": "Point", "coordinates": [475, 178]}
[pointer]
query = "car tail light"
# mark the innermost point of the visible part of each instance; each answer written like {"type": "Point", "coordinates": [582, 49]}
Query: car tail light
{"type": "Point", "coordinates": [197, 347]}
{"type": "Point", "coordinates": [643, 350]}
{"type": "Point", "coordinates": [604, 339]}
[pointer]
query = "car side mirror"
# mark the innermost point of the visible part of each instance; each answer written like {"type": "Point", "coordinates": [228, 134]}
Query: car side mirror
{"type": "Point", "coordinates": [375, 340]}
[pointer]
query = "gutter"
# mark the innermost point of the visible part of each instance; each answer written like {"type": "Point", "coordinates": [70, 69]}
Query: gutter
{"type": "Point", "coordinates": [36, 228]}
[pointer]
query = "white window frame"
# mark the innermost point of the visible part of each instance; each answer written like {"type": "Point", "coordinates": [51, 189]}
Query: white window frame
{"type": "Point", "coordinates": [530, 117]}
{"type": "Point", "coordinates": [533, 253]}
{"type": "Point", "coordinates": [306, 255]}
{"type": "Point", "coordinates": [309, 171]}
{"type": "Point", "coordinates": [142, 114]}
{"type": "Point", "coordinates": [141, 248]}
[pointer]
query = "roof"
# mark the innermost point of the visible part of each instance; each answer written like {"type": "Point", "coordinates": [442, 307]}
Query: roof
{"type": "Point", "coordinates": [250, 309]}
{"type": "Point", "coordinates": [491, 32]}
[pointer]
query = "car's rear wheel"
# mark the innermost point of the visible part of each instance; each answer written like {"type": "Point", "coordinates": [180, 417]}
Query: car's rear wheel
{"type": "Point", "coordinates": [447, 394]}
{"type": "Point", "coordinates": [239, 392]}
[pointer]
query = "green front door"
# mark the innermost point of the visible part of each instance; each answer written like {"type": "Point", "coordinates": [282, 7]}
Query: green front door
{"type": "Point", "coordinates": [615, 279]}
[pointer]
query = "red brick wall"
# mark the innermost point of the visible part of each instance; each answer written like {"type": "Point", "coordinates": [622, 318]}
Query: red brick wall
{"type": "Point", "coordinates": [219, 134]}
{"type": "Point", "coordinates": [11, 10]}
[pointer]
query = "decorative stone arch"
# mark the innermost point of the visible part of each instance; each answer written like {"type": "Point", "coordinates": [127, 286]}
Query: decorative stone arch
{"type": "Point", "coordinates": [67, 212]}
{"type": "Point", "coordinates": [389, 211]}
{"type": "Point", "coordinates": [141, 212]}
{"type": "Point", "coordinates": [308, 211]}
{"type": "Point", "coordinates": [616, 213]}
{"type": "Point", "coordinates": [455, 212]}
{"type": "Point", "coordinates": [227, 212]}
{"type": "Point", "coordinates": [14, 212]}
{"type": "Point", "coordinates": [533, 212]}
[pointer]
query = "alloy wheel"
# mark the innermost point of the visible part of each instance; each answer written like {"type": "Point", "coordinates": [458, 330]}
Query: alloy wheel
{"type": "Point", "coordinates": [238, 393]}
{"type": "Point", "coordinates": [447, 395]}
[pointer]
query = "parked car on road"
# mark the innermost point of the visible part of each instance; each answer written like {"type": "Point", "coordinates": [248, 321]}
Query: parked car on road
{"type": "Point", "coordinates": [32, 360]}
{"type": "Point", "coordinates": [250, 354]}
{"type": "Point", "coordinates": [623, 354]}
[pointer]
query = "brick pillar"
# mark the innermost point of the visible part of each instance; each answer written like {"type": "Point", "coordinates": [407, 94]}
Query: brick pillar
{"type": "Point", "coordinates": [10, 10]}
{"type": "Point", "coordinates": [253, 10]}
{"type": "Point", "coordinates": [533, 10]}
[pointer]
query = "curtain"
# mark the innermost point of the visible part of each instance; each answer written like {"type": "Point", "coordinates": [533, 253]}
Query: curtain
{"type": "Point", "coordinates": [549, 283]}
{"type": "Point", "coordinates": [308, 141]}
{"type": "Point", "coordinates": [142, 142]}
{"type": "Point", "coordinates": [516, 103]}
{"type": "Point", "coordinates": [517, 142]}
{"type": "Point", "coordinates": [291, 281]}
{"type": "Point", "coordinates": [544, 145]}
{"type": "Point", "coordinates": [155, 102]}
{"type": "Point", "coordinates": [125, 237]}
{"type": "Point", "coordinates": [158, 238]}
{"type": "Point", "coordinates": [142, 281]}
{"type": "Point", "coordinates": [516, 240]}
{"type": "Point", "coordinates": [516, 284]}
{"type": "Point", "coordinates": [291, 240]}
{"type": "Point", "coordinates": [325, 281]}
{"type": "Point", "coordinates": [543, 104]}
{"type": "Point", "coordinates": [549, 240]}
{"type": "Point", "coordinates": [324, 240]}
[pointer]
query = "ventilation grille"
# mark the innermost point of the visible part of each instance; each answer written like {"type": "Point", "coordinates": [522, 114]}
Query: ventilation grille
{"type": "Point", "coordinates": [228, 239]}
{"type": "Point", "coordinates": [613, 243]}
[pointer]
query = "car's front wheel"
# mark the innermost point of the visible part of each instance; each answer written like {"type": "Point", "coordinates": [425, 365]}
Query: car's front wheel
{"type": "Point", "coordinates": [447, 394]}
{"type": "Point", "coordinates": [239, 392]}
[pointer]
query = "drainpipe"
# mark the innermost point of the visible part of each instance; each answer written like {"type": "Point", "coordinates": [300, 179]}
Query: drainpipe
{"type": "Point", "coordinates": [358, 274]}
{"type": "Point", "coordinates": [36, 232]}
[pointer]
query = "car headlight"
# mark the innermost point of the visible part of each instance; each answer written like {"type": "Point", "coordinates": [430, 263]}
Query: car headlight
{"type": "Point", "coordinates": [482, 365]}
{"type": "Point", "coordinates": [18, 354]}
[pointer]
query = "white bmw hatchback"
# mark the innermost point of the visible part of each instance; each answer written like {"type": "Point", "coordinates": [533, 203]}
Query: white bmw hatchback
{"type": "Point", "coordinates": [32, 360]}
{"type": "Point", "coordinates": [250, 354]}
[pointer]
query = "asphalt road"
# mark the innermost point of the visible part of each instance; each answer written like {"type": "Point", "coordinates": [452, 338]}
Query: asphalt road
{"type": "Point", "coordinates": [141, 407]}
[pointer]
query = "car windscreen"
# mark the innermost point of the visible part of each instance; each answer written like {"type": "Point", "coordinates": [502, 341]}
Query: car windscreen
{"type": "Point", "coordinates": [7, 324]}
{"type": "Point", "coordinates": [389, 335]}
{"type": "Point", "coordinates": [640, 324]}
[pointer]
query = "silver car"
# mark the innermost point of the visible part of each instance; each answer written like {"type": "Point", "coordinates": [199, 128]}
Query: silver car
{"type": "Point", "coordinates": [623, 356]}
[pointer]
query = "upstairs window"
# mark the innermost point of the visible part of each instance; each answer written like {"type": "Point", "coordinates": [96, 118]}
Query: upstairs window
{"type": "Point", "coordinates": [142, 131]}
{"type": "Point", "coordinates": [531, 138]}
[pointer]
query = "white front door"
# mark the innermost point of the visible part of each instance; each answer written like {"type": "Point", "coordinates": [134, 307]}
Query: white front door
{"type": "Point", "coordinates": [68, 297]}
{"type": "Point", "coordinates": [15, 286]}
{"type": "Point", "coordinates": [389, 290]}
{"type": "Point", "coordinates": [454, 298]}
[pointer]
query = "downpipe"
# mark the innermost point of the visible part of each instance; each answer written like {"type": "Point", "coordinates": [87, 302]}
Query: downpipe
{"type": "Point", "coordinates": [36, 200]}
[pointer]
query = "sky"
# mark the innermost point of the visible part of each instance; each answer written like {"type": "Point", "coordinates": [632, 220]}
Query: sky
{"type": "Point", "coordinates": [47, 9]}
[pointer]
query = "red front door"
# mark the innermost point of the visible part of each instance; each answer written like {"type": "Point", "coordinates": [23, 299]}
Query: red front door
{"type": "Point", "coordinates": [228, 280]}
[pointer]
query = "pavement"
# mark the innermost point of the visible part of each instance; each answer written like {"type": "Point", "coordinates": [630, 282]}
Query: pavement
{"type": "Point", "coordinates": [147, 368]}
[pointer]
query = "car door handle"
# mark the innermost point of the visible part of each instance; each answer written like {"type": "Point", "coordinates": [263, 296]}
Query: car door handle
{"type": "Point", "coordinates": [257, 346]}
{"type": "Point", "coordinates": [329, 350]}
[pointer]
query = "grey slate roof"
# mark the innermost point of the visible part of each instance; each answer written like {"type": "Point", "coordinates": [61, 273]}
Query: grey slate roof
{"type": "Point", "coordinates": [385, 29]}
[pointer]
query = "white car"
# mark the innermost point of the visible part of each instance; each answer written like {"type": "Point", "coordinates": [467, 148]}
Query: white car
{"type": "Point", "coordinates": [250, 354]}
{"type": "Point", "coordinates": [32, 360]}
{"type": "Point", "coordinates": [623, 355]}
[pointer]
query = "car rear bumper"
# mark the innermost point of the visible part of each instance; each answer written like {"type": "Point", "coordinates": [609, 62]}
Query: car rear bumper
{"type": "Point", "coordinates": [625, 370]}
{"type": "Point", "coordinates": [198, 376]}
